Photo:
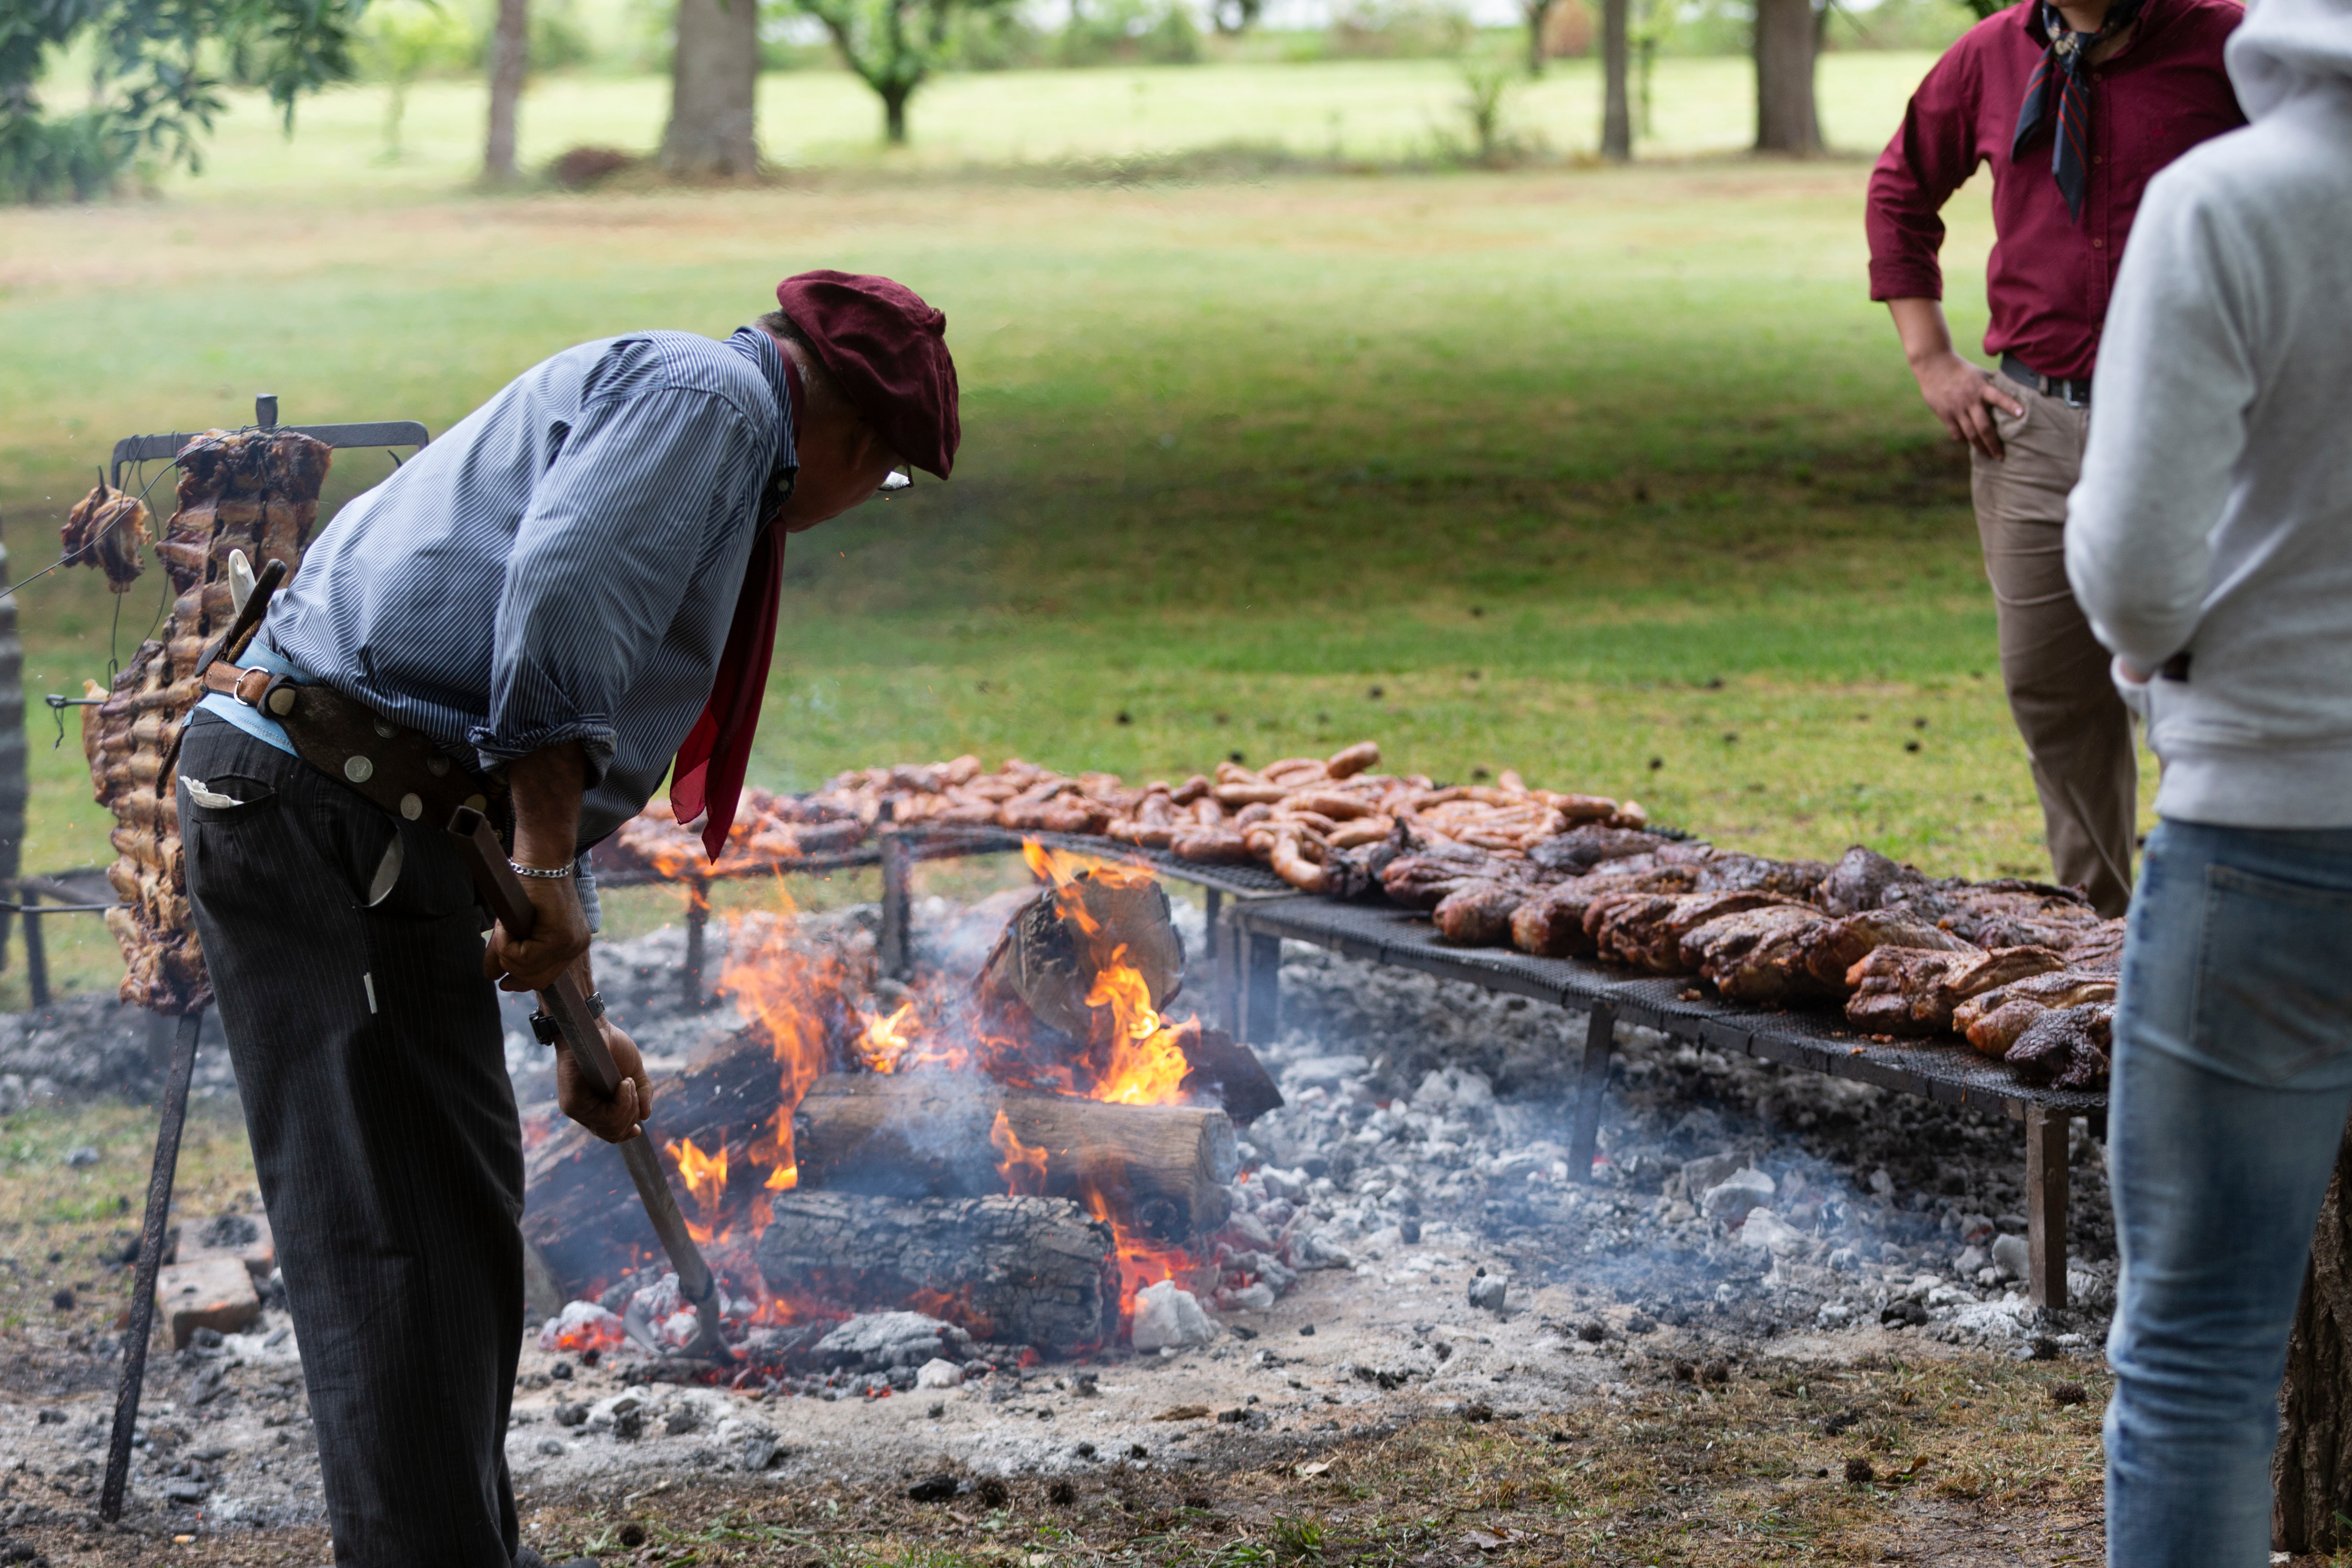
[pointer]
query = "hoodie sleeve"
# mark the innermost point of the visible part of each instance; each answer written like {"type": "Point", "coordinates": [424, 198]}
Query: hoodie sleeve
{"type": "Point", "coordinates": [2169, 399]}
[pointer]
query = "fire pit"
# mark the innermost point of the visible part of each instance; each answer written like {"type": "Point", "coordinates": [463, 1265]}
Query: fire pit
{"type": "Point", "coordinates": [1018, 1154]}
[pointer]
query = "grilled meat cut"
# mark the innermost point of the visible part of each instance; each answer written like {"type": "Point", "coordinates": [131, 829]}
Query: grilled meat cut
{"type": "Point", "coordinates": [104, 530]}
{"type": "Point", "coordinates": [1753, 873]}
{"type": "Point", "coordinates": [1478, 914]}
{"type": "Point", "coordinates": [2012, 913]}
{"type": "Point", "coordinates": [1910, 990]}
{"type": "Point", "coordinates": [1864, 879]}
{"type": "Point", "coordinates": [1993, 1020]}
{"type": "Point", "coordinates": [1835, 946]}
{"type": "Point", "coordinates": [254, 490]}
{"type": "Point", "coordinates": [1756, 955]}
{"type": "Point", "coordinates": [2067, 1048]}
{"type": "Point", "coordinates": [1578, 850]}
{"type": "Point", "coordinates": [2099, 948]}
{"type": "Point", "coordinates": [1647, 930]}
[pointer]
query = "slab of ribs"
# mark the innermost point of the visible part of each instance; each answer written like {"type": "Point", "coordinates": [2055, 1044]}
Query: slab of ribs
{"type": "Point", "coordinates": [256, 491]}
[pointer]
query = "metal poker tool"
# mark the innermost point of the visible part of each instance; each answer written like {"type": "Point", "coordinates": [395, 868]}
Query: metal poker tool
{"type": "Point", "coordinates": [503, 891]}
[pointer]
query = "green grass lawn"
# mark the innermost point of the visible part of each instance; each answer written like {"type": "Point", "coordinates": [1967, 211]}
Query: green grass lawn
{"type": "Point", "coordinates": [1386, 111]}
{"type": "Point", "coordinates": [1614, 476]}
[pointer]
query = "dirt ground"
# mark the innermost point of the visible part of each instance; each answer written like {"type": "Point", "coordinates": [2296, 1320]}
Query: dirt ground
{"type": "Point", "coordinates": [1568, 1430]}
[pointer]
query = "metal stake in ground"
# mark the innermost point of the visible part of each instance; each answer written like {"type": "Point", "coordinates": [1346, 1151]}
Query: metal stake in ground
{"type": "Point", "coordinates": [487, 859]}
{"type": "Point", "coordinates": [151, 1259]}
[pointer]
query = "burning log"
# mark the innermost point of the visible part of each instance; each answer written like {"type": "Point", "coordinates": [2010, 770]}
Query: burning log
{"type": "Point", "coordinates": [1020, 1270]}
{"type": "Point", "coordinates": [1160, 1169]}
{"type": "Point", "coordinates": [1048, 960]}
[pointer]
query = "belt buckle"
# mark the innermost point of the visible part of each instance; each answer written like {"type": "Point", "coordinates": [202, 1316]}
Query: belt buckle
{"type": "Point", "coordinates": [236, 688]}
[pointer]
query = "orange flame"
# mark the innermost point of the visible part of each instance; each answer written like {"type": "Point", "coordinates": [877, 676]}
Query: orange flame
{"type": "Point", "coordinates": [706, 1178]}
{"type": "Point", "coordinates": [1063, 867]}
{"type": "Point", "coordinates": [1021, 1165]}
{"type": "Point", "coordinates": [1147, 1061]}
{"type": "Point", "coordinates": [1142, 1260]}
{"type": "Point", "coordinates": [787, 993]}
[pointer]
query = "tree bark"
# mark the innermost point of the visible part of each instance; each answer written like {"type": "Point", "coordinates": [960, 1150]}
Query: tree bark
{"type": "Point", "coordinates": [2311, 1472]}
{"type": "Point", "coordinates": [510, 58]}
{"type": "Point", "coordinates": [1537, 11]}
{"type": "Point", "coordinates": [1160, 1169]}
{"type": "Point", "coordinates": [14, 790]}
{"type": "Point", "coordinates": [1020, 1271]}
{"type": "Point", "coordinates": [1787, 119]}
{"type": "Point", "coordinates": [1617, 109]}
{"type": "Point", "coordinates": [714, 87]}
{"type": "Point", "coordinates": [893, 117]}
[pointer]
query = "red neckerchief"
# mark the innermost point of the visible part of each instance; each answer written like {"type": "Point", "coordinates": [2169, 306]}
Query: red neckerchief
{"type": "Point", "coordinates": [708, 773]}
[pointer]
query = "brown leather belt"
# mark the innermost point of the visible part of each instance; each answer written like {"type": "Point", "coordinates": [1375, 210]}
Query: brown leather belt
{"type": "Point", "coordinates": [401, 771]}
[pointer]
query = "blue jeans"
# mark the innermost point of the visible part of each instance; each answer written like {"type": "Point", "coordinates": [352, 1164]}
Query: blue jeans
{"type": "Point", "coordinates": [2232, 1078]}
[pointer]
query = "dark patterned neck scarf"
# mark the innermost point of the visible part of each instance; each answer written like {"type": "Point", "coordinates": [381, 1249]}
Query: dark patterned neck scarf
{"type": "Point", "coordinates": [2059, 77]}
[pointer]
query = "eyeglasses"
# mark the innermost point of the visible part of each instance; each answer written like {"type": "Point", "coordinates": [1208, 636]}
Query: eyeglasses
{"type": "Point", "coordinates": [896, 480]}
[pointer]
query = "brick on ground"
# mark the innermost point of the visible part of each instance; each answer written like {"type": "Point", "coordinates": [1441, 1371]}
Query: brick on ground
{"type": "Point", "coordinates": [244, 1237]}
{"type": "Point", "coordinates": [209, 1293]}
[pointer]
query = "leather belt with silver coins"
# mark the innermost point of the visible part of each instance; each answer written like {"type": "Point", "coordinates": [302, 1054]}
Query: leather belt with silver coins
{"type": "Point", "coordinates": [399, 770]}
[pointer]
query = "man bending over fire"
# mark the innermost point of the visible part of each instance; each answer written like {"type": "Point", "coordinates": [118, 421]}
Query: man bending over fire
{"type": "Point", "coordinates": [576, 584]}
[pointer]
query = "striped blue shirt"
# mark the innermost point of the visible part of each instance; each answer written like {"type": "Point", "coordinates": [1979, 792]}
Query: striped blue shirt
{"type": "Point", "coordinates": [562, 566]}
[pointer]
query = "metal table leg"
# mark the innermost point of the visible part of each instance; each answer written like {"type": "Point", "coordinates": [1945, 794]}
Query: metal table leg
{"type": "Point", "coordinates": [151, 1259]}
{"type": "Point", "coordinates": [894, 951]}
{"type": "Point", "coordinates": [1220, 1009]}
{"type": "Point", "coordinates": [698, 917]}
{"type": "Point", "coordinates": [1591, 1085]}
{"type": "Point", "coordinates": [2045, 1204]}
{"type": "Point", "coordinates": [36, 951]}
{"type": "Point", "coordinates": [1262, 988]}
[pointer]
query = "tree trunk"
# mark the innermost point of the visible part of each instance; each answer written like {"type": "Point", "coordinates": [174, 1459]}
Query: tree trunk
{"type": "Point", "coordinates": [893, 117]}
{"type": "Point", "coordinates": [1161, 1169]}
{"type": "Point", "coordinates": [1537, 11]}
{"type": "Point", "coordinates": [509, 57]}
{"type": "Point", "coordinates": [2311, 1473]}
{"type": "Point", "coordinates": [1020, 1271]}
{"type": "Point", "coordinates": [1616, 112]}
{"type": "Point", "coordinates": [13, 787]}
{"type": "Point", "coordinates": [714, 86]}
{"type": "Point", "coordinates": [1786, 118]}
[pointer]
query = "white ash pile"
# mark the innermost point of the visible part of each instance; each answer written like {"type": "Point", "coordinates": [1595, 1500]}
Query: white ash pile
{"type": "Point", "coordinates": [1730, 1191]}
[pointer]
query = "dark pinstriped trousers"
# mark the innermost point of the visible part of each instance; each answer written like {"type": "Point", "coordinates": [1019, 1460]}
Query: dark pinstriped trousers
{"type": "Point", "coordinates": [369, 1056]}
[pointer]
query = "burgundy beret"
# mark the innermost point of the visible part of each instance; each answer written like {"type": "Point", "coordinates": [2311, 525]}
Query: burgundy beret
{"type": "Point", "coordinates": [888, 351]}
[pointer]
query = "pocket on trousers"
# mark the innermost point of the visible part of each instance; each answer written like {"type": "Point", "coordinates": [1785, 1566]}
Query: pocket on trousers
{"type": "Point", "coordinates": [225, 797]}
{"type": "Point", "coordinates": [2273, 996]}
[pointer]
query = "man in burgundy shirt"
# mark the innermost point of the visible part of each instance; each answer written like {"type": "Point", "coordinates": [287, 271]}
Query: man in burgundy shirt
{"type": "Point", "coordinates": [2075, 104]}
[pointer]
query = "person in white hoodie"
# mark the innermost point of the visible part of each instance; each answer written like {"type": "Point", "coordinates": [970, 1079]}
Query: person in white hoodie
{"type": "Point", "coordinates": [2209, 541]}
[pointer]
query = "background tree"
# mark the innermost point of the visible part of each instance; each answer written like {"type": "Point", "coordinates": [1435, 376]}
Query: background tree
{"type": "Point", "coordinates": [1616, 107]}
{"type": "Point", "coordinates": [510, 58]}
{"type": "Point", "coordinates": [1537, 11]}
{"type": "Point", "coordinates": [400, 40]}
{"type": "Point", "coordinates": [156, 80]}
{"type": "Point", "coordinates": [1788, 36]}
{"type": "Point", "coordinates": [714, 84]}
{"type": "Point", "coordinates": [1233, 16]}
{"type": "Point", "coordinates": [893, 46]}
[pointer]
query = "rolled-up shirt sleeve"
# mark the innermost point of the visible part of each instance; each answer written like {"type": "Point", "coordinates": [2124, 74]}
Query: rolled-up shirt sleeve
{"type": "Point", "coordinates": [1932, 155]}
{"type": "Point", "coordinates": [627, 511]}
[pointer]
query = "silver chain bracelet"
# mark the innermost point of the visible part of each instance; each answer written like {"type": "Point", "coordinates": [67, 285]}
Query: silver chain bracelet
{"type": "Point", "coordinates": [543, 873]}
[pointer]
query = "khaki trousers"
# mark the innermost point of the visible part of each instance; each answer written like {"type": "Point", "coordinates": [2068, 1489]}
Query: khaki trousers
{"type": "Point", "coordinates": [2077, 730]}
